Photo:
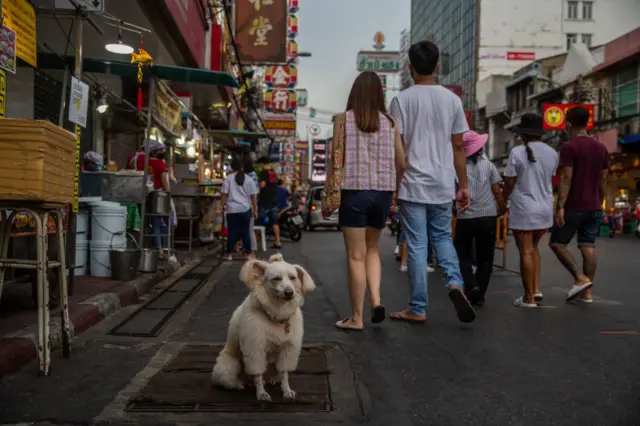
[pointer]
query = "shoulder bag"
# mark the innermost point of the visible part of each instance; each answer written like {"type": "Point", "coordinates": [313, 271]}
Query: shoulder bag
{"type": "Point", "coordinates": [333, 183]}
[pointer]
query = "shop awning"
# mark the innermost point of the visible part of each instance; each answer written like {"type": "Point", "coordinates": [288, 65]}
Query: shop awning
{"type": "Point", "coordinates": [631, 138]}
{"type": "Point", "coordinates": [240, 134]}
{"type": "Point", "coordinates": [126, 69]}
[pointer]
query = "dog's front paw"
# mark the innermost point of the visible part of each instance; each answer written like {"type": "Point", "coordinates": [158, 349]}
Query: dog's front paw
{"type": "Point", "coordinates": [263, 396]}
{"type": "Point", "coordinates": [289, 395]}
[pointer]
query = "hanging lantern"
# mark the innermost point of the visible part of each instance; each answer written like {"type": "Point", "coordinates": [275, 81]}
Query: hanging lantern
{"type": "Point", "coordinates": [141, 59]}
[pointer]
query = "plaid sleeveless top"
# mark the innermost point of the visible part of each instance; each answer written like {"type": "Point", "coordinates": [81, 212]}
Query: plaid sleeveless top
{"type": "Point", "coordinates": [369, 158]}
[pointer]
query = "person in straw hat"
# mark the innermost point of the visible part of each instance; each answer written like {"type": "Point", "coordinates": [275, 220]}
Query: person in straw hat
{"type": "Point", "coordinates": [528, 175]}
{"type": "Point", "coordinates": [476, 227]}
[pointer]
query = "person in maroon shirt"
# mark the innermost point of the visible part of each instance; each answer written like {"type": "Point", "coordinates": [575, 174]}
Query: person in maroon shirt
{"type": "Point", "coordinates": [584, 166]}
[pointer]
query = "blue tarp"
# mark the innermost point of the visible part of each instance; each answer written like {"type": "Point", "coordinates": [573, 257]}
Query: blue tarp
{"type": "Point", "coordinates": [631, 138]}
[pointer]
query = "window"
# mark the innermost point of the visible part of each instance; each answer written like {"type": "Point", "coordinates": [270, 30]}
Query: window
{"type": "Point", "coordinates": [586, 39]}
{"type": "Point", "coordinates": [626, 90]}
{"type": "Point", "coordinates": [572, 10]}
{"type": "Point", "coordinates": [571, 39]}
{"type": "Point", "coordinates": [587, 10]}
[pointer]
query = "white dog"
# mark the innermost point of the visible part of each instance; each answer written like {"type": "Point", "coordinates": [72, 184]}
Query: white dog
{"type": "Point", "coordinates": [267, 328]}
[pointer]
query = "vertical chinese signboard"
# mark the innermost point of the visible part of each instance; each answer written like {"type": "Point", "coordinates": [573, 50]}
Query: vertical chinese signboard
{"type": "Point", "coordinates": [261, 31]}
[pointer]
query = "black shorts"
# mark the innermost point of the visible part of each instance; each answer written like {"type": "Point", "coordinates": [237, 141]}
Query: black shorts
{"type": "Point", "coordinates": [585, 223]}
{"type": "Point", "coordinates": [362, 209]}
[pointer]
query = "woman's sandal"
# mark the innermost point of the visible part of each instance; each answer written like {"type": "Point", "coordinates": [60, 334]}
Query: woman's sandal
{"type": "Point", "coordinates": [344, 325]}
{"type": "Point", "coordinates": [378, 314]}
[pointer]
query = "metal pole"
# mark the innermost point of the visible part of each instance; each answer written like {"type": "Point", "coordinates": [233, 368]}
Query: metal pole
{"type": "Point", "coordinates": [63, 97]}
{"type": "Point", "coordinates": [143, 207]}
{"type": "Point", "coordinates": [71, 230]}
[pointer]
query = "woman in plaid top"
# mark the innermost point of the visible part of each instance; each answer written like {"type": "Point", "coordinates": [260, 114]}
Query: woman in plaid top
{"type": "Point", "coordinates": [373, 167]}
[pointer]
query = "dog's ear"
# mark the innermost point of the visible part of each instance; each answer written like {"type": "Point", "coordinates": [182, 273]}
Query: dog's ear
{"type": "Point", "coordinates": [307, 283]}
{"type": "Point", "coordinates": [252, 272]}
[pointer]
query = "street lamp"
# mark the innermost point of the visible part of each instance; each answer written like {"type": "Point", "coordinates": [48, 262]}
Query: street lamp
{"type": "Point", "coordinates": [304, 54]}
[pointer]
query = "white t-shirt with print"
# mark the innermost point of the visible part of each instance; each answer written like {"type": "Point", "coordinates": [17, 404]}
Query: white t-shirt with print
{"type": "Point", "coordinates": [531, 206]}
{"type": "Point", "coordinates": [427, 116]}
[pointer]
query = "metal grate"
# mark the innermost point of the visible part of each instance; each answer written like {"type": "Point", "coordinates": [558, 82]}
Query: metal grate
{"type": "Point", "coordinates": [184, 386]}
{"type": "Point", "coordinates": [150, 319]}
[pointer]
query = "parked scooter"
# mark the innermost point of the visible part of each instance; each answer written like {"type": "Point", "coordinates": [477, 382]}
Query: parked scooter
{"type": "Point", "coordinates": [290, 222]}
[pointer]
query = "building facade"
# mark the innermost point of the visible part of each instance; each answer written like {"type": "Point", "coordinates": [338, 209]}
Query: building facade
{"type": "Point", "coordinates": [405, 75]}
{"type": "Point", "coordinates": [486, 37]}
{"type": "Point", "coordinates": [452, 26]}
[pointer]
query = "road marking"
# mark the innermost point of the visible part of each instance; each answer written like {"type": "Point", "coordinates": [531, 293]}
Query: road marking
{"type": "Point", "coordinates": [620, 332]}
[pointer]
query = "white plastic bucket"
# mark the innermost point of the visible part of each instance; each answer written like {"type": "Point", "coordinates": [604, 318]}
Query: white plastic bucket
{"type": "Point", "coordinates": [109, 223]}
{"type": "Point", "coordinates": [100, 261]}
{"type": "Point", "coordinates": [82, 226]}
{"type": "Point", "coordinates": [82, 257]}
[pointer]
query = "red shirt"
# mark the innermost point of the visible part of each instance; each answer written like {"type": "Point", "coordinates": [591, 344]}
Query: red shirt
{"type": "Point", "coordinates": [156, 169]}
{"type": "Point", "coordinates": [588, 158]}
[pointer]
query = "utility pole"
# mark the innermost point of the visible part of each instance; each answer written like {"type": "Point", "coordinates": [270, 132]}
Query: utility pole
{"type": "Point", "coordinates": [71, 230]}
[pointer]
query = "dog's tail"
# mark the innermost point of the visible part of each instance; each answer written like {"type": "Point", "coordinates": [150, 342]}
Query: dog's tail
{"type": "Point", "coordinates": [276, 258]}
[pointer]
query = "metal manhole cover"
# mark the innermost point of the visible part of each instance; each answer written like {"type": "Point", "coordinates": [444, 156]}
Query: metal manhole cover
{"type": "Point", "coordinates": [184, 386]}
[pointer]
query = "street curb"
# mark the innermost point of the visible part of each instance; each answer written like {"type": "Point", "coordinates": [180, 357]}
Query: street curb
{"type": "Point", "coordinates": [17, 349]}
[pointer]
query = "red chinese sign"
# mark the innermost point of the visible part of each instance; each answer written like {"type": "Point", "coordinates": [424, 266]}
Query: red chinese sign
{"type": "Point", "coordinates": [521, 56]}
{"type": "Point", "coordinates": [285, 76]}
{"type": "Point", "coordinates": [280, 100]}
{"type": "Point", "coordinates": [191, 22]}
{"type": "Point", "coordinates": [554, 115]}
{"type": "Point", "coordinates": [261, 31]}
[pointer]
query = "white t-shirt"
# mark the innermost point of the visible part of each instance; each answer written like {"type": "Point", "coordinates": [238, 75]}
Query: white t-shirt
{"type": "Point", "coordinates": [427, 116]}
{"type": "Point", "coordinates": [239, 197]}
{"type": "Point", "coordinates": [531, 206]}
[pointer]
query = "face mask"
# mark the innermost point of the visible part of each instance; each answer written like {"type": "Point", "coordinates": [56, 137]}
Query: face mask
{"type": "Point", "coordinates": [161, 155]}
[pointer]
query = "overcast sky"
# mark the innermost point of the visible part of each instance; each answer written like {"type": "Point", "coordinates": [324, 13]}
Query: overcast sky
{"type": "Point", "coordinates": [333, 31]}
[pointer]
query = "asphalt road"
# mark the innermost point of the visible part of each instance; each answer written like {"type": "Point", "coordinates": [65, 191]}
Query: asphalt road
{"type": "Point", "coordinates": [558, 365]}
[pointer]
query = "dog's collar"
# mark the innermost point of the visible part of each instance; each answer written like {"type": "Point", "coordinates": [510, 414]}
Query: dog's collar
{"type": "Point", "coordinates": [285, 322]}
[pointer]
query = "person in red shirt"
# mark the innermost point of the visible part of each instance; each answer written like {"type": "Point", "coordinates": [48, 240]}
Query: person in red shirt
{"type": "Point", "coordinates": [136, 159]}
{"type": "Point", "coordinates": [159, 173]}
{"type": "Point", "coordinates": [584, 167]}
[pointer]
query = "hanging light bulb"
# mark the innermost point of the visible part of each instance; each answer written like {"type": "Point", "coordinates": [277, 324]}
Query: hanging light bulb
{"type": "Point", "coordinates": [103, 106]}
{"type": "Point", "coordinates": [120, 48]}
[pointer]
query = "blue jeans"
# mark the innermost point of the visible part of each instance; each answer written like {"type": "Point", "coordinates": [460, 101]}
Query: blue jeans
{"type": "Point", "coordinates": [239, 227]}
{"type": "Point", "coordinates": [424, 223]}
{"type": "Point", "coordinates": [159, 226]}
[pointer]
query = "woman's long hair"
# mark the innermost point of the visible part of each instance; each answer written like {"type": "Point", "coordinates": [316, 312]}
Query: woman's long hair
{"type": "Point", "coordinates": [366, 100]}
{"type": "Point", "coordinates": [236, 165]}
{"type": "Point", "coordinates": [525, 140]}
{"type": "Point", "coordinates": [248, 166]}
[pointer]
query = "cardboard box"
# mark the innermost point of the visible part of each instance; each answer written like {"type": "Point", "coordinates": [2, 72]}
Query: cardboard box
{"type": "Point", "coordinates": [37, 161]}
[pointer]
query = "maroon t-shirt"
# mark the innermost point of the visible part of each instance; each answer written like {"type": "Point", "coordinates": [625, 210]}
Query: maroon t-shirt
{"type": "Point", "coordinates": [588, 158]}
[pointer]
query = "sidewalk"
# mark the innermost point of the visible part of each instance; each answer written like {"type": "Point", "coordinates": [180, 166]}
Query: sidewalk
{"type": "Point", "coordinates": [93, 300]}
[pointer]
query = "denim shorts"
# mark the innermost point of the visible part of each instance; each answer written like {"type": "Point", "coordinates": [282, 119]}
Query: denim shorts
{"type": "Point", "coordinates": [364, 209]}
{"type": "Point", "coordinates": [267, 215]}
{"type": "Point", "coordinates": [585, 223]}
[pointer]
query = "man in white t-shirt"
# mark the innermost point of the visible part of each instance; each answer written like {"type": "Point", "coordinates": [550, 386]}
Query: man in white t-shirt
{"type": "Point", "coordinates": [431, 120]}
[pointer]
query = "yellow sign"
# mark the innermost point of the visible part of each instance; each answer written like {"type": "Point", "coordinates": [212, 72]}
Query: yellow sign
{"type": "Point", "coordinates": [20, 16]}
{"type": "Point", "coordinates": [3, 93]}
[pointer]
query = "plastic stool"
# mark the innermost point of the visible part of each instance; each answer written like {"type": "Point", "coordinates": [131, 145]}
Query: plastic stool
{"type": "Point", "coordinates": [263, 236]}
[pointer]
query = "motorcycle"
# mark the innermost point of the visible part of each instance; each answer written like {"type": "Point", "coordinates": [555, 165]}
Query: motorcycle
{"type": "Point", "coordinates": [290, 222]}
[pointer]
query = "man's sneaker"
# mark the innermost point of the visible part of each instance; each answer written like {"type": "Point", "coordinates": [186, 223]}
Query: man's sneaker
{"type": "Point", "coordinates": [577, 290]}
{"type": "Point", "coordinates": [404, 268]}
{"type": "Point", "coordinates": [396, 250]}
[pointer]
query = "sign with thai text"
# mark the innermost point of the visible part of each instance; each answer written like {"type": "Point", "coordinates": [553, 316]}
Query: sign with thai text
{"type": "Point", "coordinates": [554, 115]}
{"type": "Point", "coordinates": [261, 31]}
{"type": "Point", "coordinates": [378, 61]}
{"type": "Point", "coordinates": [20, 16]}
